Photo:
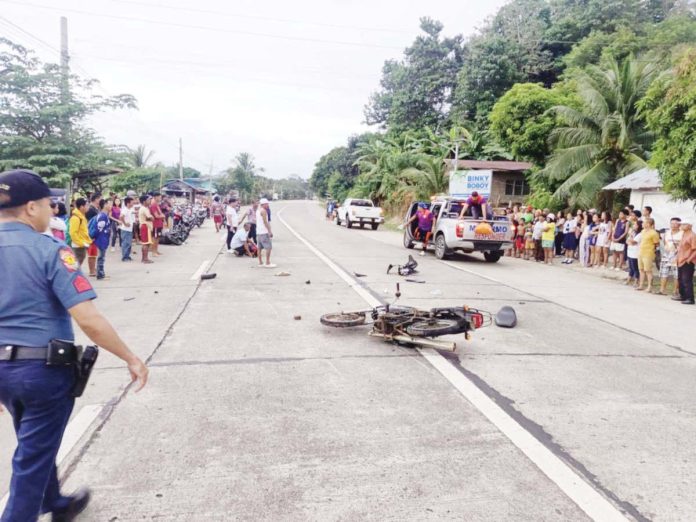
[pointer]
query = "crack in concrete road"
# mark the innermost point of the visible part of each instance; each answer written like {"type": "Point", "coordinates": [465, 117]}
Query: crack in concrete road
{"type": "Point", "coordinates": [265, 360]}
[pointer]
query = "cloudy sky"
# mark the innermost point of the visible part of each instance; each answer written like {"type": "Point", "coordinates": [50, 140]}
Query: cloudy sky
{"type": "Point", "coordinates": [284, 80]}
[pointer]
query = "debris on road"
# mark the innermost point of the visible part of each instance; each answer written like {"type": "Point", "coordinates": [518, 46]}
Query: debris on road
{"type": "Point", "coordinates": [407, 269]}
{"type": "Point", "coordinates": [282, 274]}
{"type": "Point", "coordinates": [205, 277]}
{"type": "Point", "coordinates": [298, 318]}
{"type": "Point", "coordinates": [359, 275]}
{"type": "Point", "coordinates": [415, 280]}
{"type": "Point", "coordinates": [308, 282]}
{"type": "Point", "coordinates": [128, 298]}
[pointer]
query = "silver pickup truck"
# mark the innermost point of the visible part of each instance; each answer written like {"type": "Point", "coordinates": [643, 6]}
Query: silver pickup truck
{"type": "Point", "coordinates": [452, 234]}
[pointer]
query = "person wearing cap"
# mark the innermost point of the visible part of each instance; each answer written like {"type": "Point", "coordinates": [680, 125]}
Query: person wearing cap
{"type": "Point", "coordinates": [686, 259]}
{"type": "Point", "coordinates": [42, 290]}
{"type": "Point", "coordinates": [478, 205]}
{"type": "Point", "coordinates": [264, 234]}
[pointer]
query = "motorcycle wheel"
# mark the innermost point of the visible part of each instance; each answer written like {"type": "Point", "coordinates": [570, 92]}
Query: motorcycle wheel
{"type": "Point", "coordinates": [435, 327]}
{"type": "Point", "coordinates": [342, 319]}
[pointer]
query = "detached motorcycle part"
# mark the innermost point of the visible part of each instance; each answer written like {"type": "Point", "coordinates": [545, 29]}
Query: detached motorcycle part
{"type": "Point", "coordinates": [506, 317]}
{"type": "Point", "coordinates": [425, 343]}
{"type": "Point", "coordinates": [436, 327]}
{"type": "Point", "coordinates": [343, 319]}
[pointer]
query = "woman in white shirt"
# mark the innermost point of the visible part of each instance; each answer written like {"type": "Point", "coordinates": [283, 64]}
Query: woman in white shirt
{"type": "Point", "coordinates": [602, 246]}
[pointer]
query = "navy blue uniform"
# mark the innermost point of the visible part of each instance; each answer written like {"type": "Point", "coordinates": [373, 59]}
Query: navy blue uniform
{"type": "Point", "coordinates": [40, 280]}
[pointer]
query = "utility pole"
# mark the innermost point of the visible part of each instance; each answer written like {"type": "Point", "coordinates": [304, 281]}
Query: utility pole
{"type": "Point", "coordinates": [181, 161]}
{"type": "Point", "coordinates": [65, 83]}
{"type": "Point", "coordinates": [64, 58]}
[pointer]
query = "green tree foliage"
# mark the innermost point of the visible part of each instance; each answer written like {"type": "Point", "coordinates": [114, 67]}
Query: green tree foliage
{"type": "Point", "coordinates": [521, 121]}
{"type": "Point", "coordinates": [242, 176]}
{"type": "Point", "coordinates": [417, 91]}
{"type": "Point", "coordinates": [670, 108]}
{"type": "Point", "coordinates": [339, 159]}
{"type": "Point", "coordinates": [189, 172]}
{"type": "Point", "coordinates": [42, 114]}
{"type": "Point", "coordinates": [140, 156]}
{"type": "Point", "coordinates": [605, 139]}
{"type": "Point", "coordinates": [139, 179]}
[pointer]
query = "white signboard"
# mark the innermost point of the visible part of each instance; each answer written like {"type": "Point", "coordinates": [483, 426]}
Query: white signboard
{"type": "Point", "coordinates": [463, 182]}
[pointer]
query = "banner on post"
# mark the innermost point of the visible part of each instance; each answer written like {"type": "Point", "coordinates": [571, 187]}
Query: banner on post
{"type": "Point", "coordinates": [463, 182]}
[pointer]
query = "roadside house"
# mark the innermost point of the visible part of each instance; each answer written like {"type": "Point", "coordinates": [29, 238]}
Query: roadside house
{"type": "Point", "coordinates": [502, 182]}
{"type": "Point", "coordinates": [645, 188]}
{"type": "Point", "coordinates": [183, 189]}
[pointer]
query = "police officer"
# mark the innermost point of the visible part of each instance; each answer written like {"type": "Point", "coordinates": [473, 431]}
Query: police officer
{"type": "Point", "coordinates": [41, 288]}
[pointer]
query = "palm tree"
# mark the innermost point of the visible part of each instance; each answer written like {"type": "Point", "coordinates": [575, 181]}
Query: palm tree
{"type": "Point", "coordinates": [140, 156]}
{"type": "Point", "coordinates": [430, 174]}
{"type": "Point", "coordinates": [606, 139]}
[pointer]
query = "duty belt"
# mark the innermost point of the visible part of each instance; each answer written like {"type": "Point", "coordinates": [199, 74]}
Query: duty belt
{"type": "Point", "coordinates": [10, 352]}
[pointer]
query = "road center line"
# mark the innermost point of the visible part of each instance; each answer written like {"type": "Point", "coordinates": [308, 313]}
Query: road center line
{"type": "Point", "coordinates": [594, 504]}
{"type": "Point", "coordinates": [73, 433]}
{"type": "Point", "coordinates": [198, 273]}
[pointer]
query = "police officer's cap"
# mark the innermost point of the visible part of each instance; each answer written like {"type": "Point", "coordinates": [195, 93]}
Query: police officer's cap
{"type": "Point", "coordinates": [18, 187]}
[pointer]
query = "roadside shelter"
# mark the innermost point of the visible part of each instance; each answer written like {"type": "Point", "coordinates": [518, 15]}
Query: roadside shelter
{"type": "Point", "coordinates": [183, 189]}
{"type": "Point", "coordinates": [502, 182]}
{"type": "Point", "coordinates": [645, 188]}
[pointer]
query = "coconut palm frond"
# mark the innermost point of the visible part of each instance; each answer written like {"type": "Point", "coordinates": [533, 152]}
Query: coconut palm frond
{"type": "Point", "coordinates": [565, 162]}
{"type": "Point", "coordinates": [564, 137]}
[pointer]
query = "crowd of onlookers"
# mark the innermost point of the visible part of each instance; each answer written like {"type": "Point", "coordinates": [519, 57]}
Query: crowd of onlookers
{"type": "Point", "coordinates": [94, 224]}
{"type": "Point", "coordinates": [627, 242]}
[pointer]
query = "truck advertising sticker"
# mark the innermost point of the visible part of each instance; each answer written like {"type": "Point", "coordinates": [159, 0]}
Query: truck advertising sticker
{"type": "Point", "coordinates": [499, 232]}
{"type": "Point", "coordinates": [463, 182]}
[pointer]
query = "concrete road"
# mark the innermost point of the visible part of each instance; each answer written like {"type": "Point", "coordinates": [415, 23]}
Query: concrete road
{"type": "Point", "coordinates": [583, 411]}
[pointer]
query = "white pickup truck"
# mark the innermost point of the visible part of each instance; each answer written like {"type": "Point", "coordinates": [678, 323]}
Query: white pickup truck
{"type": "Point", "coordinates": [450, 233]}
{"type": "Point", "coordinates": [359, 212]}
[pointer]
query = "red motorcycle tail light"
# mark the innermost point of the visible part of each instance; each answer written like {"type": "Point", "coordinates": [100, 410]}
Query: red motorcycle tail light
{"type": "Point", "coordinates": [477, 320]}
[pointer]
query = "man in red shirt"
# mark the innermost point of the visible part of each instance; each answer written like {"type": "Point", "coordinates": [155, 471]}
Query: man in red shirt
{"type": "Point", "coordinates": [157, 224]}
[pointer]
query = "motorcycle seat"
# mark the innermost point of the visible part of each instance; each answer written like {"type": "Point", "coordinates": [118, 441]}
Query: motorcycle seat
{"type": "Point", "coordinates": [506, 317]}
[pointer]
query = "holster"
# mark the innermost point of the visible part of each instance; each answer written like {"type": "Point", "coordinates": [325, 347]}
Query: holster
{"type": "Point", "coordinates": [87, 358]}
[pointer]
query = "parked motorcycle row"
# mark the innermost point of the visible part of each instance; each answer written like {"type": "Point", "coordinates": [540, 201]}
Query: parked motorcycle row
{"type": "Point", "coordinates": [184, 219]}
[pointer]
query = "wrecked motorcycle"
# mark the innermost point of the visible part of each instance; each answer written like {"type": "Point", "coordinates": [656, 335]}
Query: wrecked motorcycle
{"type": "Point", "coordinates": [410, 326]}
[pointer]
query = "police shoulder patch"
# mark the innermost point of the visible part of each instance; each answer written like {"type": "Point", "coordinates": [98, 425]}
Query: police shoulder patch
{"type": "Point", "coordinates": [67, 257]}
{"type": "Point", "coordinates": [81, 284]}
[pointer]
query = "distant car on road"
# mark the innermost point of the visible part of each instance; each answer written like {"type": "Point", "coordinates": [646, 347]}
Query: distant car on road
{"type": "Point", "coordinates": [466, 235]}
{"type": "Point", "coordinates": [359, 212]}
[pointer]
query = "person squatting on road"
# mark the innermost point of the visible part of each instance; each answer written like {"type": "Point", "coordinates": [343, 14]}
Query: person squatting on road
{"type": "Point", "coordinates": [264, 234]}
{"type": "Point", "coordinates": [242, 244]}
{"type": "Point", "coordinates": [42, 288]}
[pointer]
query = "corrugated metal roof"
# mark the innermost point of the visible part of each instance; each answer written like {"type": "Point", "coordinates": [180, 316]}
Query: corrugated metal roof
{"type": "Point", "coordinates": [491, 165]}
{"type": "Point", "coordinates": [641, 179]}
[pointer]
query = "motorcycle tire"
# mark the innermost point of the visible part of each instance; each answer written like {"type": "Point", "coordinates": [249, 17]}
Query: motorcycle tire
{"type": "Point", "coordinates": [435, 327]}
{"type": "Point", "coordinates": [342, 319]}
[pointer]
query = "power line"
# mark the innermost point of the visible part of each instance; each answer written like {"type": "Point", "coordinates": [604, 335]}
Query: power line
{"type": "Point", "coordinates": [203, 27]}
{"type": "Point", "coordinates": [264, 18]}
{"type": "Point", "coordinates": [19, 29]}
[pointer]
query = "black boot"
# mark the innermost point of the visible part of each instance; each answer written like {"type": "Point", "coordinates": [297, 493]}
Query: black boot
{"type": "Point", "coordinates": [78, 503]}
